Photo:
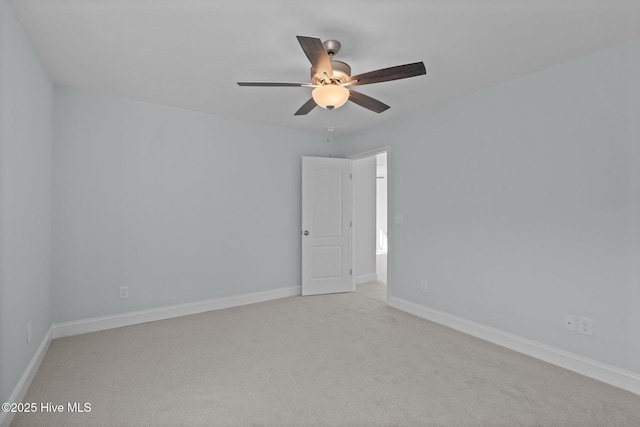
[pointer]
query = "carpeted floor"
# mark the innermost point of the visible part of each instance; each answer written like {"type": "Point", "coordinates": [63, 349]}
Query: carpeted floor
{"type": "Point", "coordinates": [333, 360]}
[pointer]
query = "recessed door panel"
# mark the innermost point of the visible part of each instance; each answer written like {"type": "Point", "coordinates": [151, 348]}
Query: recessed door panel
{"type": "Point", "coordinates": [327, 262]}
{"type": "Point", "coordinates": [327, 202]}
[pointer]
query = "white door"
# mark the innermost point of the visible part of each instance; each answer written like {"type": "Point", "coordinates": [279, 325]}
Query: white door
{"type": "Point", "coordinates": [326, 225]}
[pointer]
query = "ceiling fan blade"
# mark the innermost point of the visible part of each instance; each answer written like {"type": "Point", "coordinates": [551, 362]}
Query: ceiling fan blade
{"type": "Point", "coordinates": [272, 84]}
{"type": "Point", "coordinates": [317, 55]}
{"type": "Point", "coordinates": [388, 74]}
{"type": "Point", "coordinates": [306, 108]}
{"type": "Point", "coordinates": [367, 102]}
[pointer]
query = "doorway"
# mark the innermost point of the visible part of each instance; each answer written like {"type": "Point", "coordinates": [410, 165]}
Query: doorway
{"type": "Point", "coordinates": [382, 243]}
{"type": "Point", "coordinates": [370, 217]}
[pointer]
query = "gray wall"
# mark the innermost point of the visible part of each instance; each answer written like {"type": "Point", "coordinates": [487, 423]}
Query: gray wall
{"type": "Point", "coordinates": [381, 200]}
{"type": "Point", "coordinates": [521, 203]}
{"type": "Point", "coordinates": [364, 218]}
{"type": "Point", "coordinates": [177, 205]}
{"type": "Point", "coordinates": [25, 198]}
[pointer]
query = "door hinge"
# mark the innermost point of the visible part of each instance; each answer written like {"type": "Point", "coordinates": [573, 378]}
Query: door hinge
{"type": "Point", "coordinates": [350, 176]}
{"type": "Point", "coordinates": [350, 272]}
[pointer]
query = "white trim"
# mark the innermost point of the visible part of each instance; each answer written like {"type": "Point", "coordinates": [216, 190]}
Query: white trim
{"type": "Point", "coordinates": [608, 374]}
{"type": "Point", "coordinates": [354, 282]}
{"type": "Point", "coordinates": [370, 153]}
{"type": "Point", "coordinates": [366, 278]}
{"type": "Point", "coordinates": [21, 388]}
{"type": "Point", "coordinates": [144, 316]}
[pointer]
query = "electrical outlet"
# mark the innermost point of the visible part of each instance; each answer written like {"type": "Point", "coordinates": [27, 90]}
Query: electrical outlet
{"type": "Point", "coordinates": [585, 325]}
{"type": "Point", "coordinates": [124, 292]}
{"type": "Point", "coordinates": [29, 332]}
{"type": "Point", "coordinates": [424, 286]}
{"type": "Point", "coordinates": [570, 322]}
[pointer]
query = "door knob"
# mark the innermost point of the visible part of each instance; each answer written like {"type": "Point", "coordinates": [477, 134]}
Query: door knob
{"type": "Point", "coordinates": [306, 232]}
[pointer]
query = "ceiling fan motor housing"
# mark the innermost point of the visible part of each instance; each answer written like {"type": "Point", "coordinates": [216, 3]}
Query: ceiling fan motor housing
{"type": "Point", "coordinates": [341, 73]}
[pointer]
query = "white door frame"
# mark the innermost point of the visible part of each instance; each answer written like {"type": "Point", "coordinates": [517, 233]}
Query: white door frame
{"type": "Point", "coordinates": [362, 155]}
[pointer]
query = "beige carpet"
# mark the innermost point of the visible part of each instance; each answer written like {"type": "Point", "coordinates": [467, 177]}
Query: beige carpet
{"type": "Point", "coordinates": [334, 360]}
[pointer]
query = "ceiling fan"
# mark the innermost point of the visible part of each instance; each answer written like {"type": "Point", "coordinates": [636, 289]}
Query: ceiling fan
{"type": "Point", "coordinates": [331, 80]}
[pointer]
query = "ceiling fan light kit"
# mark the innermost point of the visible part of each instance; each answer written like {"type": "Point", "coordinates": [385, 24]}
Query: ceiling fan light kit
{"type": "Point", "coordinates": [330, 96]}
{"type": "Point", "coordinates": [332, 79]}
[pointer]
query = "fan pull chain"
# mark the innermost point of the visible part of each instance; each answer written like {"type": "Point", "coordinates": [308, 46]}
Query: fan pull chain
{"type": "Point", "coordinates": [330, 130]}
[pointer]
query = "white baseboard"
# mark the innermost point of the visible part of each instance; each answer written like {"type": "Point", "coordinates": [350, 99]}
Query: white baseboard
{"type": "Point", "coordinates": [608, 374]}
{"type": "Point", "coordinates": [66, 329]}
{"type": "Point", "coordinates": [366, 278]}
{"type": "Point", "coordinates": [144, 316]}
{"type": "Point", "coordinates": [25, 381]}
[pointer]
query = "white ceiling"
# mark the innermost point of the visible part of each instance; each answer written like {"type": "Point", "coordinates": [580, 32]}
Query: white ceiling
{"type": "Point", "coordinates": [190, 53]}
